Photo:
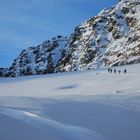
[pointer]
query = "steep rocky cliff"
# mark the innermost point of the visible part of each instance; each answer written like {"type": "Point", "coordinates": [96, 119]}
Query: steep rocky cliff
{"type": "Point", "coordinates": [110, 38]}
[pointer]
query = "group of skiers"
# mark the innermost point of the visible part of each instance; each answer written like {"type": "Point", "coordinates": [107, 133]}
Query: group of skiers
{"type": "Point", "coordinates": [116, 71]}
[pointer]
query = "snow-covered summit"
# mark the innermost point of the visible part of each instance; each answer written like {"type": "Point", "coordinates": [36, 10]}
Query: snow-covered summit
{"type": "Point", "coordinates": [41, 59]}
{"type": "Point", "coordinates": [110, 38]}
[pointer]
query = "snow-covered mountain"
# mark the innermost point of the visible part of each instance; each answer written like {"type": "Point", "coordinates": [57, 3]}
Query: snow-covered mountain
{"type": "Point", "coordinates": [42, 59]}
{"type": "Point", "coordinates": [110, 38]}
{"type": "Point", "coordinates": [3, 71]}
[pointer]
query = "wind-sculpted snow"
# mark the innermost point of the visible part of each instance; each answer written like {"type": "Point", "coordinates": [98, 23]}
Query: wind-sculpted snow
{"type": "Point", "coordinates": [71, 106]}
{"type": "Point", "coordinates": [53, 130]}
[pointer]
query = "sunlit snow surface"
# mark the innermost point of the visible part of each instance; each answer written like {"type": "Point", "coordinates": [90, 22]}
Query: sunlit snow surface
{"type": "Point", "coordinates": [91, 105]}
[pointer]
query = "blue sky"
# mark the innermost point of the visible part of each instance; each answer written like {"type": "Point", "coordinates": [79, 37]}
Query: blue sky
{"type": "Point", "coordinates": [25, 23]}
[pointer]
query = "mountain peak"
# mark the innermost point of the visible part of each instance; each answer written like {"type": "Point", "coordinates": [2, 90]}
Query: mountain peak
{"type": "Point", "coordinates": [110, 38]}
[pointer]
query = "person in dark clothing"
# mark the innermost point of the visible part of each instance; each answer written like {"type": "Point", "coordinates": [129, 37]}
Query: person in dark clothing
{"type": "Point", "coordinates": [119, 71]}
{"type": "Point", "coordinates": [108, 69]}
{"type": "Point", "coordinates": [111, 70]}
{"type": "Point", "coordinates": [125, 71]}
{"type": "Point", "coordinates": [115, 71]}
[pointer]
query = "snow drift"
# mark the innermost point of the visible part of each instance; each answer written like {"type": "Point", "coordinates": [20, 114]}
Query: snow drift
{"type": "Point", "coordinates": [77, 105]}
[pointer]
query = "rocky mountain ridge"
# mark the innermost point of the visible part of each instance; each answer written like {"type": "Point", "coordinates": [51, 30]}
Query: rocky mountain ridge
{"type": "Point", "coordinates": [110, 38]}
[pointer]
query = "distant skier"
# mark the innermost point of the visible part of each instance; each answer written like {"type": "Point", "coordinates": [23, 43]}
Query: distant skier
{"type": "Point", "coordinates": [111, 70]}
{"type": "Point", "coordinates": [119, 71]}
{"type": "Point", "coordinates": [125, 71]}
{"type": "Point", "coordinates": [108, 69]}
{"type": "Point", "coordinates": [115, 71]}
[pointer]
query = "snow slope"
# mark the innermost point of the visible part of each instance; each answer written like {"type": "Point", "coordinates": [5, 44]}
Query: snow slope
{"type": "Point", "coordinates": [91, 105]}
